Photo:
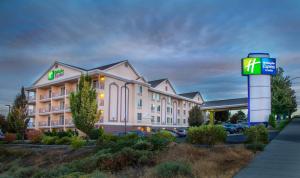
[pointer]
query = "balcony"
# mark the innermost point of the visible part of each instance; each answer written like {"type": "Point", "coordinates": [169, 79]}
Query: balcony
{"type": "Point", "coordinates": [45, 98]}
{"type": "Point", "coordinates": [58, 95]}
{"type": "Point", "coordinates": [31, 99]}
{"type": "Point", "coordinates": [31, 112]}
{"type": "Point", "coordinates": [67, 108]}
{"type": "Point", "coordinates": [44, 124]}
{"type": "Point", "coordinates": [44, 111]}
{"type": "Point", "coordinates": [55, 124]}
{"type": "Point", "coordinates": [69, 123]}
{"type": "Point", "coordinates": [58, 109]}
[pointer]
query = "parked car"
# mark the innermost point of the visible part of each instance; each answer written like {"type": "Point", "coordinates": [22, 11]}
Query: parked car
{"type": "Point", "coordinates": [181, 132]}
{"type": "Point", "coordinates": [2, 136]}
{"type": "Point", "coordinates": [174, 133]}
{"type": "Point", "coordinates": [241, 126]}
{"type": "Point", "coordinates": [230, 128]}
{"type": "Point", "coordinates": [137, 132]}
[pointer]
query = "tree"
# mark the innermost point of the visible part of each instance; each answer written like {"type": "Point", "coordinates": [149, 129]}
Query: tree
{"type": "Point", "coordinates": [84, 106]}
{"type": "Point", "coordinates": [283, 96]}
{"type": "Point", "coordinates": [18, 116]}
{"type": "Point", "coordinates": [3, 123]}
{"type": "Point", "coordinates": [240, 115]}
{"type": "Point", "coordinates": [221, 116]}
{"type": "Point", "coordinates": [195, 116]}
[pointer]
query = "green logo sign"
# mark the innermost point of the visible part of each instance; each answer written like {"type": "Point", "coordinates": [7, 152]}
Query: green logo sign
{"type": "Point", "coordinates": [56, 73]}
{"type": "Point", "coordinates": [251, 66]}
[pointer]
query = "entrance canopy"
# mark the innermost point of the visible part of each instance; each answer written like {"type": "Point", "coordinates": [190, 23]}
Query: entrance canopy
{"type": "Point", "coordinates": [228, 104]}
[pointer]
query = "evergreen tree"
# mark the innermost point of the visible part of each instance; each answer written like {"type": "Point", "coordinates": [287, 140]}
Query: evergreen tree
{"type": "Point", "coordinates": [283, 96]}
{"type": "Point", "coordinates": [195, 116]}
{"type": "Point", "coordinates": [84, 106]}
{"type": "Point", "coordinates": [18, 116]}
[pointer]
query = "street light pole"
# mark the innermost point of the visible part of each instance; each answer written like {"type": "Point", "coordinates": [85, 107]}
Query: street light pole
{"type": "Point", "coordinates": [8, 105]}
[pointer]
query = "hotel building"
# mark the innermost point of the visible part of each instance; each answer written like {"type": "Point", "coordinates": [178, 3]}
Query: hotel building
{"type": "Point", "coordinates": [149, 104]}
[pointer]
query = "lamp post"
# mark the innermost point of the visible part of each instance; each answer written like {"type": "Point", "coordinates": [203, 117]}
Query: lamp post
{"type": "Point", "coordinates": [8, 105]}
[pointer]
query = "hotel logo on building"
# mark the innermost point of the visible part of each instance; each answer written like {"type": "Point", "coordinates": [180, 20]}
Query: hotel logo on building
{"type": "Point", "coordinates": [56, 73]}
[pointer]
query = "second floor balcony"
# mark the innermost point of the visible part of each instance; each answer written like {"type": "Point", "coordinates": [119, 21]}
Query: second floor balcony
{"type": "Point", "coordinates": [58, 95]}
{"type": "Point", "coordinates": [44, 111]}
{"type": "Point", "coordinates": [31, 112]}
{"type": "Point", "coordinates": [58, 109]}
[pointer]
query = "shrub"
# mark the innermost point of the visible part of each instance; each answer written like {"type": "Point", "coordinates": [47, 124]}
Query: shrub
{"type": "Point", "coordinates": [272, 121]}
{"type": "Point", "coordinates": [77, 142]}
{"type": "Point", "coordinates": [257, 134]}
{"type": "Point", "coordinates": [63, 141]}
{"type": "Point", "coordinates": [172, 169]}
{"type": "Point", "coordinates": [160, 140]}
{"type": "Point", "coordinates": [255, 147]}
{"type": "Point", "coordinates": [96, 133]}
{"type": "Point", "coordinates": [142, 145]}
{"type": "Point", "coordinates": [49, 140]}
{"type": "Point", "coordinates": [35, 136]}
{"type": "Point", "coordinates": [207, 134]}
{"type": "Point", "coordinates": [282, 124]}
{"type": "Point", "coordinates": [10, 137]}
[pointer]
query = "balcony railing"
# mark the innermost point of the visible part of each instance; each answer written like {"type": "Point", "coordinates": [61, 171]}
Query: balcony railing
{"type": "Point", "coordinates": [69, 122]}
{"type": "Point", "coordinates": [44, 97]}
{"type": "Point", "coordinates": [31, 99]}
{"type": "Point", "coordinates": [44, 124]}
{"type": "Point", "coordinates": [58, 109]}
{"type": "Point", "coordinates": [58, 95]}
{"type": "Point", "coordinates": [31, 112]}
{"type": "Point", "coordinates": [30, 125]}
{"type": "Point", "coordinates": [57, 123]}
{"type": "Point", "coordinates": [69, 92]}
{"type": "Point", "coordinates": [44, 110]}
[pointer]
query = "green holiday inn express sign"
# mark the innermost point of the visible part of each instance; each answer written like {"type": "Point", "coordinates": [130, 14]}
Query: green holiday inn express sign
{"type": "Point", "coordinates": [56, 73]}
{"type": "Point", "coordinates": [259, 66]}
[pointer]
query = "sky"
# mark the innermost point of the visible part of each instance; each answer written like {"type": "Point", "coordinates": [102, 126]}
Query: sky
{"type": "Point", "coordinates": [197, 44]}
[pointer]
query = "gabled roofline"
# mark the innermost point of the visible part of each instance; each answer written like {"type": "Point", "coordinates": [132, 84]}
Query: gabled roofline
{"type": "Point", "coordinates": [59, 63]}
{"type": "Point", "coordinates": [162, 80]}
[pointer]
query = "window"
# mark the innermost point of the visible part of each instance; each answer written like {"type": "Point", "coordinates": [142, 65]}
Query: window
{"type": "Point", "coordinates": [166, 88]}
{"type": "Point", "coordinates": [95, 84]}
{"type": "Point", "coordinates": [62, 105]}
{"type": "Point", "coordinates": [140, 103]}
{"type": "Point", "coordinates": [61, 120]}
{"type": "Point", "coordinates": [184, 121]}
{"type": "Point", "coordinates": [168, 120]}
{"type": "Point", "coordinates": [168, 110]}
{"type": "Point", "coordinates": [152, 119]}
{"type": "Point", "coordinates": [153, 96]}
{"type": "Point", "coordinates": [139, 116]}
{"type": "Point", "coordinates": [190, 105]}
{"type": "Point", "coordinates": [184, 112]}
{"type": "Point", "coordinates": [158, 108]}
{"type": "Point", "coordinates": [169, 100]}
{"type": "Point", "coordinates": [157, 97]}
{"type": "Point", "coordinates": [178, 111]}
{"type": "Point", "coordinates": [158, 119]}
{"type": "Point", "coordinates": [152, 108]}
{"type": "Point", "coordinates": [184, 104]}
{"type": "Point", "coordinates": [49, 93]}
{"type": "Point", "coordinates": [62, 91]}
{"type": "Point", "coordinates": [49, 121]}
{"type": "Point", "coordinates": [171, 110]}
{"type": "Point", "coordinates": [178, 121]}
{"type": "Point", "coordinates": [140, 90]}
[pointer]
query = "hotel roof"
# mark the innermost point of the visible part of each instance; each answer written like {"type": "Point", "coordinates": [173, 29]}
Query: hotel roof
{"type": "Point", "coordinates": [225, 104]}
{"type": "Point", "coordinates": [154, 83]}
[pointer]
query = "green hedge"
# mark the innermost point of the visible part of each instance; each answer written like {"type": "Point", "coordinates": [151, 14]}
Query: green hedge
{"type": "Point", "coordinates": [173, 169]}
{"type": "Point", "coordinates": [257, 135]}
{"type": "Point", "coordinates": [207, 134]}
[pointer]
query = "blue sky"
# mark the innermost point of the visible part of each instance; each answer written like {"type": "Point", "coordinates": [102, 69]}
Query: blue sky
{"type": "Point", "coordinates": [196, 44]}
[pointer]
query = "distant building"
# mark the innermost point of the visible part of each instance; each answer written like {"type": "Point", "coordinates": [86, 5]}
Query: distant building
{"type": "Point", "coordinates": [150, 104]}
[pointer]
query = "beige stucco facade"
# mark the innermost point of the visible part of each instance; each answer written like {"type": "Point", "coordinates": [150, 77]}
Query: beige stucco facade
{"type": "Point", "coordinates": [149, 104]}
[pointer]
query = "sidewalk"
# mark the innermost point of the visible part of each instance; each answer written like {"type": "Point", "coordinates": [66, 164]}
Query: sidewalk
{"type": "Point", "coordinates": [281, 158]}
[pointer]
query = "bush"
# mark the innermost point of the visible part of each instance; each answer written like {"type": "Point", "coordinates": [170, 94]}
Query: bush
{"type": "Point", "coordinates": [272, 121]}
{"type": "Point", "coordinates": [63, 141]}
{"type": "Point", "coordinates": [257, 135]}
{"type": "Point", "coordinates": [10, 137]}
{"type": "Point", "coordinates": [96, 133]}
{"type": "Point", "coordinates": [207, 134]}
{"type": "Point", "coordinates": [142, 145]}
{"type": "Point", "coordinates": [68, 133]}
{"type": "Point", "coordinates": [282, 124]}
{"type": "Point", "coordinates": [160, 140]}
{"type": "Point", "coordinates": [172, 169]}
{"type": "Point", "coordinates": [49, 140]}
{"type": "Point", "coordinates": [77, 142]}
{"type": "Point", "coordinates": [35, 136]}
{"type": "Point", "coordinates": [255, 147]}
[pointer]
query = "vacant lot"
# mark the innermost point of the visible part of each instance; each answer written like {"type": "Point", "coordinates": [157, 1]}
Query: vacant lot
{"type": "Point", "coordinates": [19, 161]}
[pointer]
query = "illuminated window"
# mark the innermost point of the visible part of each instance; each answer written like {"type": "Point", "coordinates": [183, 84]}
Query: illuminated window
{"type": "Point", "coordinates": [102, 78]}
{"type": "Point", "coordinates": [101, 112]}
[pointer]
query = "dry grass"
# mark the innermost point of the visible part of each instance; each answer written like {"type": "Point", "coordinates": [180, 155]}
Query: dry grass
{"type": "Point", "coordinates": [219, 162]}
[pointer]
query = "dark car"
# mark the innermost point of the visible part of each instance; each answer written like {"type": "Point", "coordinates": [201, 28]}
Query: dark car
{"type": "Point", "coordinates": [137, 132]}
{"type": "Point", "coordinates": [181, 132]}
{"type": "Point", "coordinates": [230, 128]}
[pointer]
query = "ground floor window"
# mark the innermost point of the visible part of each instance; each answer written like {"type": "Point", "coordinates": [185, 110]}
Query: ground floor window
{"type": "Point", "coordinates": [158, 119]}
{"type": "Point", "coordinates": [139, 116]}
